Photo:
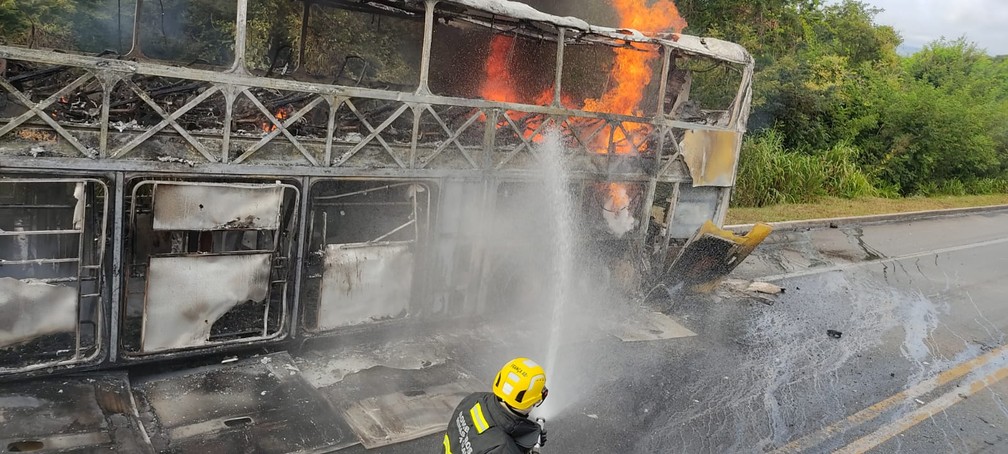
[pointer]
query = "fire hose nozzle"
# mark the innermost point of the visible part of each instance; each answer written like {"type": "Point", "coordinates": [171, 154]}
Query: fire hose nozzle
{"type": "Point", "coordinates": [542, 428]}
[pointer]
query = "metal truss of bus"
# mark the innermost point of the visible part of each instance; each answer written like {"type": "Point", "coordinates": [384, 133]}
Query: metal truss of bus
{"type": "Point", "coordinates": [52, 293]}
{"type": "Point", "coordinates": [462, 136]}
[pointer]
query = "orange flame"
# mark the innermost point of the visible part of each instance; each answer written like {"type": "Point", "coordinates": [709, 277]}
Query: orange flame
{"type": "Point", "coordinates": [632, 71]}
{"type": "Point", "coordinates": [533, 122]}
{"type": "Point", "coordinates": [281, 114]}
{"type": "Point", "coordinates": [618, 196]}
{"type": "Point", "coordinates": [663, 16]}
{"type": "Point", "coordinates": [498, 85]}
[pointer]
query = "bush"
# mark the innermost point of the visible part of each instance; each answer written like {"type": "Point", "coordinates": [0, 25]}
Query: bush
{"type": "Point", "coordinates": [956, 187]}
{"type": "Point", "coordinates": [952, 187]}
{"type": "Point", "coordinates": [928, 139]}
{"type": "Point", "coordinates": [987, 186]}
{"type": "Point", "coordinates": [844, 178]}
{"type": "Point", "coordinates": [769, 174]}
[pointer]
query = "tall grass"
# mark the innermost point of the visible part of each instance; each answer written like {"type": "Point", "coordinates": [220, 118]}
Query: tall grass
{"type": "Point", "coordinates": [987, 186]}
{"type": "Point", "coordinates": [844, 178]}
{"type": "Point", "coordinates": [769, 174]}
{"type": "Point", "coordinates": [955, 187]}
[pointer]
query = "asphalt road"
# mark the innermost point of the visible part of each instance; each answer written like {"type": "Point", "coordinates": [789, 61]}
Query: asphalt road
{"type": "Point", "coordinates": [920, 366]}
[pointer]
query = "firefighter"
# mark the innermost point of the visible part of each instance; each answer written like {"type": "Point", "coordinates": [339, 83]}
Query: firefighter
{"type": "Point", "coordinates": [498, 422]}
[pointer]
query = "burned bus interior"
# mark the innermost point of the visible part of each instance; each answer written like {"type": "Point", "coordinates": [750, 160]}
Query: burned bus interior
{"type": "Point", "coordinates": [185, 187]}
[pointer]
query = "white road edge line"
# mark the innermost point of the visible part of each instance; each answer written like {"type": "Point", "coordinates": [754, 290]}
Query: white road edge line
{"type": "Point", "coordinates": [847, 266]}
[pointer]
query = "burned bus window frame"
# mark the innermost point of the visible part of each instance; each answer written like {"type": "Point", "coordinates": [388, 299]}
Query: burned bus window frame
{"type": "Point", "coordinates": [703, 90]}
{"type": "Point", "coordinates": [89, 27]}
{"type": "Point", "coordinates": [207, 245]}
{"type": "Point", "coordinates": [320, 249]}
{"type": "Point", "coordinates": [90, 260]}
{"type": "Point", "coordinates": [301, 51]}
{"type": "Point", "coordinates": [528, 63]}
{"type": "Point", "coordinates": [170, 39]}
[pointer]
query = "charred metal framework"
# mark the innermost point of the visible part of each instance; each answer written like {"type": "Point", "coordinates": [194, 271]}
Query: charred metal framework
{"type": "Point", "coordinates": [51, 297]}
{"type": "Point", "coordinates": [363, 240]}
{"type": "Point", "coordinates": [228, 242]}
{"type": "Point", "coordinates": [123, 131]}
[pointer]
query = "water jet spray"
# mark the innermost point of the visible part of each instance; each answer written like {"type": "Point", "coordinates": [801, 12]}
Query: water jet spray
{"type": "Point", "coordinates": [556, 182]}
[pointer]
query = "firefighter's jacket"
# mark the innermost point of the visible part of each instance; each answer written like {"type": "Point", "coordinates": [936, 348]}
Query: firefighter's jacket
{"type": "Point", "coordinates": [480, 425]}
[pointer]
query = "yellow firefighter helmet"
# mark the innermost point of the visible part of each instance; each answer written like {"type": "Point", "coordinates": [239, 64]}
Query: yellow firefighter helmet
{"type": "Point", "coordinates": [521, 384]}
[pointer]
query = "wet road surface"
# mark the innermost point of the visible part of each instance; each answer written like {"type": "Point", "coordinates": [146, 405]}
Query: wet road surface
{"type": "Point", "coordinates": [920, 366]}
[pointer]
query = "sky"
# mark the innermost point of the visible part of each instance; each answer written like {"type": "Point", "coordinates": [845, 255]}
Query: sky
{"type": "Point", "coordinates": [919, 22]}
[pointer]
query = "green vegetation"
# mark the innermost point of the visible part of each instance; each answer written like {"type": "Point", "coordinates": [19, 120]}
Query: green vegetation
{"type": "Point", "coordinates": [28, 21]}
{"type": "Point", "coordinates": [769, 174]}
{"type": "Point", "coordinates": [837, 112]}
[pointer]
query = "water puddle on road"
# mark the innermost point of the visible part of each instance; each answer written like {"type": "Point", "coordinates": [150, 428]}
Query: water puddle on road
{"type": "Point", "coordinates": [790, 376]}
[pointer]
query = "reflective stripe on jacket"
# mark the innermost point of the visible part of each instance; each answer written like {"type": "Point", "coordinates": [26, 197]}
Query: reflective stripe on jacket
{"type": "Point", "coordinates": [479, 425]}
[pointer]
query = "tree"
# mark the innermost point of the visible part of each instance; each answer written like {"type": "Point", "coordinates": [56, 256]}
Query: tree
{"type": "Point", "coordinates": [23, 20]}
{"type": "Point", "coordinates": [823, 103]}
{"type": "Point", "coordinates": [848, 29]}
{"type": "Point", "coordinates": [959, 66]}
{"type": "Point", "coordinates": [930, 136]}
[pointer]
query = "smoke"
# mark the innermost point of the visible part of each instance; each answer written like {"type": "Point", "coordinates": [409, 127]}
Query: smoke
{"type": "Point", "coordinates": [607, 12]}
{"type": "Point", "coordinates": [617, 211]}
{"type": "Point", "coordinates": [599, 12]}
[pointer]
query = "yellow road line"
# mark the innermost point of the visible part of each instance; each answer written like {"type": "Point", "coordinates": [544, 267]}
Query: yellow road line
{"type": "Point", "coordinates": [922, 414]}
{"type": "Point", "coordinates": [872, 412]}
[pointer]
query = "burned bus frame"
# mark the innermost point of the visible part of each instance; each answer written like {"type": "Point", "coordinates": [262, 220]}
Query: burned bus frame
{"type": "Point", "coordinates": [693, 159]}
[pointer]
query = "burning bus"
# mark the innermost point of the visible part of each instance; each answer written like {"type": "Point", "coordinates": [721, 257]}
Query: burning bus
{"type": "Point", "coordinates": [294, 185]}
